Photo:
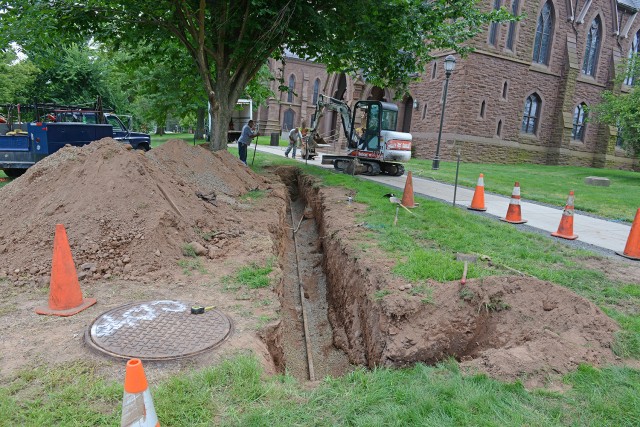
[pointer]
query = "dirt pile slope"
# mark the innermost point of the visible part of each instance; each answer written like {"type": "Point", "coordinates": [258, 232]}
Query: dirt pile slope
{"type": "Point", "coordinates": [127, 213]}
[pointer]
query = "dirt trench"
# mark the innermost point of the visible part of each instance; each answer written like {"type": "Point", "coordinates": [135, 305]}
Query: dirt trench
{"type": "Point", "coordinates": [360, 313]}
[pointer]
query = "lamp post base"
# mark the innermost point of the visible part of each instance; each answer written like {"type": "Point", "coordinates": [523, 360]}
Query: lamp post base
{"type": "Point", "coordinates": [435, 165]}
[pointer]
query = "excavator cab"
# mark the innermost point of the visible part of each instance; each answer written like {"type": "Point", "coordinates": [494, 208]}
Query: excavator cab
{"type": "Point", "coordinates": [369, 119]}
{"type": "Point", "coordinates": [365, 126]}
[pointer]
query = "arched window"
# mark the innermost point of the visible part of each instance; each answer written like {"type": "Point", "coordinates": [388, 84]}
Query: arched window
{"type": "Point", "coordinates": [292, 87]}
{"type": "Point", "coordinates": [579, 116]}
{"type": "Point", "coordinates": [434, 70]}
{"type": "Point", "coordinates": [635, 48]}
{"type": "Point", "coordinates": [287, 122]}
{"type": "Point", "coordinates": [499, 129]}
{"type": "Point", "coordinates": [316, 89]}
{"type": "Point", "coordinates": [493, 27]}
{"type": "Point", "coordinates": [504, 90]}
{"type": "Point", "coordinates": [591, 50]}
{"type": "Point", "coordinates": [544, 35]}
{"type": "Point", "coordinates": [515, 5]}
{"type": "Point", "coordinates": [531, 114]}
{"type": "Point", "coordinates": [424, 111]}
{"type": "Point", "coordinates": [482, 108]}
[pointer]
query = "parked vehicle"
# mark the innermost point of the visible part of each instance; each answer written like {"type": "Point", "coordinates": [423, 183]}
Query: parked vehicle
{"type": "Point", "coordinates": [22, 145]}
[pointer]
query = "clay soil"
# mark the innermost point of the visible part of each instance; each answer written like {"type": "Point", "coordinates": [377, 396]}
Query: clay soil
{"type": "Point", "coordinates": [129, 216]}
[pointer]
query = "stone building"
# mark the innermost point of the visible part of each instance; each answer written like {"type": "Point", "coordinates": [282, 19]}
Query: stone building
{"type": "Point", "coordinates": [521, 96]}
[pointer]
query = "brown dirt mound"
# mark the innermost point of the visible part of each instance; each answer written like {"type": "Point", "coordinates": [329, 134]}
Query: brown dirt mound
{"type": "Point", "coordinates": [127, 213]}
{"type": "Point", "coordinates": [509, 327]}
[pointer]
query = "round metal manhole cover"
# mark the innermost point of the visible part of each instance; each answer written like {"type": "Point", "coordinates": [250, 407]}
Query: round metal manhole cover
{"type": "Point", "coordinates": [157, 330]}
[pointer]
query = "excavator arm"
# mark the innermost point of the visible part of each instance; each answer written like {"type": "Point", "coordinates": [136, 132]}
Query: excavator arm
{"type": "Point", "coordinates": [331, 104]}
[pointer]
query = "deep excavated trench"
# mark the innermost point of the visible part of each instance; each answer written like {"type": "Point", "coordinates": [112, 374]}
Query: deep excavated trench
{"type": "Point", "coordinates": [507, 326]}
{"type": "Point", "coordinates": [305, 334]}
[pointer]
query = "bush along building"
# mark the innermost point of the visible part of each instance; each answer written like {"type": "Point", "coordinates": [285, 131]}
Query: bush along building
{"type": "Point", "coordinates": [523, 95]}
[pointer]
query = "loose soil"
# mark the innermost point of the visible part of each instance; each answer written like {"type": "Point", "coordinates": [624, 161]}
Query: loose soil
{"type": "Point", "coordinates": [129, 216]}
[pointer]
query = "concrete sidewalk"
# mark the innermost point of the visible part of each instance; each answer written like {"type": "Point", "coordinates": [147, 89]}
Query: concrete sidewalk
{"type": "Point", "coordinates": [604, 234]}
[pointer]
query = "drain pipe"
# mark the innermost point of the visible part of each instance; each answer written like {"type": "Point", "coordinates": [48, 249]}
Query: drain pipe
{"type": "Point", "coordinates": [305, 322]}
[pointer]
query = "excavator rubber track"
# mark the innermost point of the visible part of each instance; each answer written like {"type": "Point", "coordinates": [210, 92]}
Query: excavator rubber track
{"type": "Point", "coordinates": [368, 167]}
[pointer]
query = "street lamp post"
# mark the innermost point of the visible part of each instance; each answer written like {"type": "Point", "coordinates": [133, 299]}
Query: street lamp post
{"type": "Point", "coordinates": [449, 65]}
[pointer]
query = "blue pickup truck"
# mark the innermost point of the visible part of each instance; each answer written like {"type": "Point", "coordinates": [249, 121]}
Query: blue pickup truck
{"type": "Point", "coordinates": [22, 148]}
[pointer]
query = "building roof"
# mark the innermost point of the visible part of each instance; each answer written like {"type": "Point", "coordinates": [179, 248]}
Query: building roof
{"type": "Point", "coordinates": [633, 5]}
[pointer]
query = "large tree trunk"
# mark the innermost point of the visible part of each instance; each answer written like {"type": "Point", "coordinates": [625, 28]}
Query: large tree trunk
{"type": "Point", "coordinates": [162, 124]}
{"type": "Point", "coordinates": [220, 118]}
{"type": "Point", "coordinates": [223, 100]}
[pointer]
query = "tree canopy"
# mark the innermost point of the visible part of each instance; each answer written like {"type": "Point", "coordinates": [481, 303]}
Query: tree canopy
{"type": "Point", "coordinates": [230, 40]}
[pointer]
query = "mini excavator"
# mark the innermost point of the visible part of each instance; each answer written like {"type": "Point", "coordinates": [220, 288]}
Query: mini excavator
{"type": "Point", "coordinates": [373, 145]}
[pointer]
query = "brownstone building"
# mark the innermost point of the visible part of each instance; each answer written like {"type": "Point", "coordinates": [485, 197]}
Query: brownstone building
{"type": "Point", "coordinates": [521, 96]}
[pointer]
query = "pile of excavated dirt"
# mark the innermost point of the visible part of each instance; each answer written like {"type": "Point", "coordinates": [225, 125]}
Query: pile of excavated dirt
{"type": "Point", "coordinates": [127, 213]}
{"type": "Point", "coordinates": [128, 216]}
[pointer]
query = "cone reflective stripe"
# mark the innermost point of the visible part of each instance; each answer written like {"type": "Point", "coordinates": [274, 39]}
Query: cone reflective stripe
{"type": "Point", "coordinates": [407, 195]}
{"type": "Point", "coordinates": [632, 249]}
{"type": "Point", "coordinates": [514, 214]}
{"type": "Point", "coordinates": [137, 405]}
{"type": "Point", "coordinates": [565, 229]}
{"type": "Point", "coordinates": [477, 203]}
{"type": "Point", "coordinates": [65, 296]}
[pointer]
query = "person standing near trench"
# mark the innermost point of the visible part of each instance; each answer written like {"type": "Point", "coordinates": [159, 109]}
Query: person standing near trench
{"type": "Point", "coordinates": [245, 140]}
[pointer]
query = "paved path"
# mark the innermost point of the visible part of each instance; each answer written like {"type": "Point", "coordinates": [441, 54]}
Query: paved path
{"type": "Point", "coordinates": [598, 232]}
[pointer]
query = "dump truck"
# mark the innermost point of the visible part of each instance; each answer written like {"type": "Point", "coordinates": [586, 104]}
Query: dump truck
{"type": "Point", "coordinates": [373, 145]}
{"type": "Point", "coordinates": [24, 144]}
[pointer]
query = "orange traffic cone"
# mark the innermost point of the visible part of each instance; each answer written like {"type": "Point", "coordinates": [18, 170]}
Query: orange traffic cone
{"type": "Point", "coordinates": [65, 296]}
{"type": "Point", "coordinates": [477, 203]}
{"type": "Point", "coordinates": [514, 215]}
{"type": "Point", "coordinates": [565, 229]}
{"type": "Point", "coordinates": [137, 405]}
{"type": "Point", "coordinates": [407, 195]}
{"type": "Point", "coordinates": [632, 250]}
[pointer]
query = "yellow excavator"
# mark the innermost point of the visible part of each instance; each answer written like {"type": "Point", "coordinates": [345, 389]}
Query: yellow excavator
{"type": "Point", "coordinates": [373, 145]}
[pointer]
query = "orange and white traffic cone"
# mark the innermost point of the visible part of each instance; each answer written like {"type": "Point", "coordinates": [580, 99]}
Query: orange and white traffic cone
{"type": "Point", "coordinates": [565, 229]}
{"type": "Point", "coordinates": [514, 215]}
{"type": "Point", "coordinates": [407, 195]}
{"type": "Point", "coordinates": [632, 249]}
{"type": "Point", "coordinates": [65, 296]}
{"type": "Point", "coordinates": [137, 405]}
{"type": "Point", "coordinates": [477, 203]}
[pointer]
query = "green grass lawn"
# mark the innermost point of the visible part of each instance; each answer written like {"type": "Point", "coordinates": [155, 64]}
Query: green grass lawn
{"type": "Point", "coordinates": [157, 140]}
{"type": "Point", "coordinates": [547, 184]}
{"type": "Point", "coordinates": [237, 393]}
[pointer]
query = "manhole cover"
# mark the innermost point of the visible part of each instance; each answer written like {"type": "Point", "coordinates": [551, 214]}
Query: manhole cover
{"type": "Point", "coordinates": [157, 330]}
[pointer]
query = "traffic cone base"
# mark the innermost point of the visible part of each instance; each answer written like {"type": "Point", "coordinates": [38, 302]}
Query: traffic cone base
{"type": "Point", "coordinates": [632, 249]}
{"type": "Point", "coordinates": [86, 303]}
{"type": "Point", "coordinates": [477, 203]}
{"type": "Point", "coordinates": [65, 296]}
{"type": "Point", "coordinates": [522, 221]}
{"type": "Point", "coordinates": [407, 195]}
{"type": "Point", "coordinates": [628, 256]}
{"type": "Point", "coordinates": [569, 237]}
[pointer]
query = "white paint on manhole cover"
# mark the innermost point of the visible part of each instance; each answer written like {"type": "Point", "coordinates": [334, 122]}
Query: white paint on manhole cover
{"type": "Point", "coordinates": [157, 330]}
